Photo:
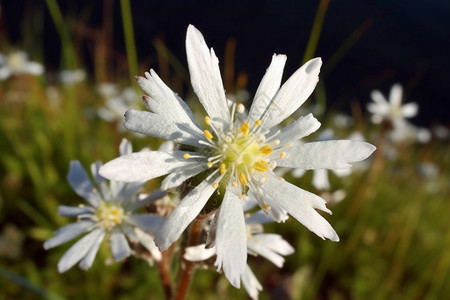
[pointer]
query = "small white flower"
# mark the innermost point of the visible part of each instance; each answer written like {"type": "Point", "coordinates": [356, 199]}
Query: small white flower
{"type": "Point", "coordinates": [109, 212]}
{"type": "Point", "coordinates": [270, 246]}
{"type": "Point", "coordinates": [17, 63]}
{"type": "Point", "coordinates": [392, 110]}
{"type": "Point", "coordinates": [236, 153]}
{"type": "Point", "coordinates": [69, 77]}
{"type": "Point", "coordinates": [117, 102]}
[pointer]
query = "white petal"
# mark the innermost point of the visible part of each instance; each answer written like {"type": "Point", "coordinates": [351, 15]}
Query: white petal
{"type": "Point", "coordinates": [88, 259]}
{"type": "Point", "coordinates": [142, 166]}
{"type": "Point", "coordinates": [205, 76]}
{"type": "Point", "coordinates": [74, 211]}
{"type": "Point", "coordinates": [337, 154]}
{"type": "Point", "coordinates": [125, 147]}
{"type": "Point", "coordinates": [410, 110]}
{"type": "Point", "coordinates": [5, 72]}
{"type": "Point", "coordinates": [294, 92]}
{"type": "Point", "coordinates": [378, 97]}
{"type": "Point", "coordinates": [147, 222]}
{"type": "Point", "coordinates": [33, 68]}
{"type": "Point", "coordinates": [163, 127]}
{"type": "Point", "coordinates": [141, 201]}
{"type": "Point", "coordinates": [199, 253]}
{"type": "Point", "coordinates": [231, 238]}
{"type": "Point", "coordinates": [378, 109]}
{"type": "Point", "coordinates": [146, 240]}
{"type": "Point", "coordinates": [298, 129]}
{"type": "Point", "coordinates": [270, 246]}
{"type": "Point", "coordinates": [183, 214]}
{"type": "Point", "coordinates": [81, 183]}
{"type": "Point", "coordinates": [320, 179]}
{"type": "Point", "coordinates": [301, 205]}
{"type": "Point", "coordinates": [395, 96]}
{"type": "Point", "coordinates": [268, 87]}
{"type": "Point", "coordinates": [67, 233]}
{"type": "Point", "coordinates": [119, 245]}
{"type": "Point", "coordinates": [251, 284]}
{"type": "Point", "coordinates": [179, 176]}
{"type": "Point", "coordinates": [259, 217]}
{"type": "Point", "coordinates": [80, 249]}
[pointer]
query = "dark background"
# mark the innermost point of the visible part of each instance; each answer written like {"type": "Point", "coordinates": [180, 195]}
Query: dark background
{"type": "Point", "coordinates": [393, 41]}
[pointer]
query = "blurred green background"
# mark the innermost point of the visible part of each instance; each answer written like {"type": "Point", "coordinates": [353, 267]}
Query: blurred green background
{"type": "Point", "coordinates": [393, 222]}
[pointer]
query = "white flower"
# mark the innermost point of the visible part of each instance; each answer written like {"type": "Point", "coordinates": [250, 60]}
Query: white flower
{"type": "Point", "coordinates": [117, 102]}
{"type": "Point", "coordinates": [109, 212]}
{"type": "Point", "coordinates": [69, 77]}
{"type": "Point", "coordinates": [392, 110]}
{"type": "Point", "coordinates": [271, 246]}
{"type": "Point", "coordinates": [17, 63]}
{"type": "Point", "coordinates": [236, 153]}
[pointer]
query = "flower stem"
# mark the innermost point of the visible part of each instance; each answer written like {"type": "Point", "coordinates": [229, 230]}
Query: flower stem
{"type": "Point", "coordinates": [164, 272]}
{"type": "Point", "coordinates": [188, 267]}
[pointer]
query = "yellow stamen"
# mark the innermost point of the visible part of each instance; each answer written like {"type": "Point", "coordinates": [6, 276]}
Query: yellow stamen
{"type": "Point", "coordinates": [245, 128]}
{"type": "Point", "coordinates": [223, 168]}
{"type": "Point", "coordinates": [208, 120]}
{"type": "Point", "coordinates": [208, 134]}
{"type": "Point", "coordinates": [265, 206]}
{"type": "Point", "coordinates": [240, 108]}
{"type": "Point", "coordinates": [186, 155]}
{"type": "Point", "coordinates": [261, 166]}
{"type": "Point", "coordinates": [283, 155]}
{"type": "Point", "coordinates": [209, 164]}
{"type": "Point", "coordinates": [115, 212]}
{"type": "Point", "coordinates": [258, 122]}
{"type": "Point", "coordinates": [215, 185]}
{"type": "Point", "coordinates": [266, 150]}
{"type": "Point", "coordinates": [242, 179]}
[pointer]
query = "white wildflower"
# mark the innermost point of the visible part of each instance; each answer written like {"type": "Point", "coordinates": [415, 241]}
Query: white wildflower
{"type": "Point", "coordinates": [16, 63]}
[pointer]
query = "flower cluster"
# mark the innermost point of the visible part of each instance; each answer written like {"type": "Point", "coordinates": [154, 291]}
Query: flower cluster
{"type": "Point", "coordinates": [230, 158]}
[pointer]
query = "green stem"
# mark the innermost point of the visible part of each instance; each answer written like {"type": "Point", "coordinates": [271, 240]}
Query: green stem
{"type": "Point", "coordinates": [315, 31]}
{"type": "Point", "coordinates": [127, 21]}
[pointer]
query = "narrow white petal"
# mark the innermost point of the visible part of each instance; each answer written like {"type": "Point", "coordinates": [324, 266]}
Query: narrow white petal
{"type": "Point", "coordinates": [298, 129]}
{"type": "Point", "coordinates": [81, 183]}
{"type": "Point", "coordinates": [74, 211]}
{"type": "Point", "coordinates": [119, 245]}
{"type": "Point", "coordinates": [251, 284]}
{"type": "Point", "coordinates": [270, 246]}
{"type": "Point", "coordinates": [259, 217]}
{"type": "Point", "coordinates": [410, 110]}
{"type": "Point", "coordinates": [163, 127]}
{"type": "Point", "coordinates": [183, 214]}
{"type": "Point", "coordinates": [205, 76]}
{"type": "Point", "coordinates": [199, 253]}
{"type": "Point", "coordinates": [231, 238]}
{"type": "Point", "coordinates": [80, 249]}
{"type": "Point", "coordinates": [378, 97]}
{"type": "Point", "coordinates": [378, 109]}
{"type": "Point", "coordinates": [269, 86]}
{"type": "Point", "coordinates": [147, 222]}
{"type": "Point", "coordinates": [67, 233]}
{"type": "Point", "coordinates": [320, 179]}
{"type": "Point", "coordinates": [142, 166]}
{"type": "Point", "coordinates": [141, 201]}
{"type": "Point", "coordinates": [396, 94]}
{"type": "Point", "coordinates": [125, 147]}
{"type": "Point", "coordinates": [337, 154]}
{"type": "Point", "coordinates": [88, 259]}
{"type": "Point", "coordinates": [178, 177]}
{"type": "Point", "coordinates": [301, 205]}
{"type": "Point", "coordinates": [146, 240]}
{"type": "Point", "coordinates": [294, 92]}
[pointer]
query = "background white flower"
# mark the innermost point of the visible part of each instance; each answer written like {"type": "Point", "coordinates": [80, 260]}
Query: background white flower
{"type": "Point", "coordinates": [109, 212]}
{"type": "Point", "coordinates": [16, 63]}
{"type": "Point", "coordinates": [236, 153]}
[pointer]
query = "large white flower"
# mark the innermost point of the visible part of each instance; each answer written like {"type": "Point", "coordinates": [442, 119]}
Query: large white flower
{"type": "Point", "coordinates": [236, 153]}
{"type": "Point", "coordinates": [392, 110]}
{"type": "Point", "coordinates": [109, 212]}
{"type": "Point", "coordinates": [17, 63]}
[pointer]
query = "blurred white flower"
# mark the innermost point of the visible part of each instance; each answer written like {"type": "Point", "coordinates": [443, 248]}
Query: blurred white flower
{"type": "Point", "coordinates": [237, 152]}
{"type": "Point", "coordinates": [109, 212]}
{"type": "Point", "coordinates": [16, 63]}
{"type": "Point", "coordinates": [69, 77]}
{"type": "Point", "coordinates": [392, 110]}
{"type": "Point", "coordinates": [117, 102]}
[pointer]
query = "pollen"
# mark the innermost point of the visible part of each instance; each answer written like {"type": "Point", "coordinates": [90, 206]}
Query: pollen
{"type": "Point", "coordinates": [215, 185]}
{"type": "Point", "coordinates": [210, 164]}
{"type": "Point", "coordinates": [261, 166]}
{"type": "Point", "coordinates": [266, 150]}
{"type": "Point", "coordinates": [265, 206]}
{"type": "Point", "coordinates": [223, 168]}
{"type": "Point", "coordinates": [240, 108]}
{"type": "Point", "coordinates": [283, 155]}
{"type": "Point", "coordinates": [186, 155]}
{"type": "Point", "coordinates": [242, 179]}
{"type": "Point", "coordinates": [245, 128]}
{"type": "Point", "coordinates": [258, 122]}
{"type": "Point", "coordinates": [208, 120]}
{"type": "Point", "coordinates": [208, 134]}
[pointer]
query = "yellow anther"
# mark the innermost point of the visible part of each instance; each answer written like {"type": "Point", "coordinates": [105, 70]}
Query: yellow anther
{"type": "Point", "coordinates": [276, 142]}
{"type": "Point", "coordinates": [266, 150]}
{"type": "Point", "coordinates": [283, 155]}
{"type": "Point", "coordinates": [209, 164]}
{"type": "Point", "coordinates": [208, 120]}
{"type": "Point", "coordinates": [240, 108]}
{"type": "Point", "coordinates": [223, 168]}
{"type": "Point", "coordinates": [258, 122]}
{"type": "Point", "coordinates": [261, 166]}
{"type": "Point", "coordinates": [115, 212]}
{"type": "Point", "coordinates": [208, 134]}
{"type": "Point", "coordinates": [186, 155]}
{"type": "Point", "coordinates": [242, 179]}
{"type": "Point", "coordinates": [265, 206]}
{"type": "Point", "coordinates": [215, 185]}
{"type": "Point", "coordinates": [245, 128]}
